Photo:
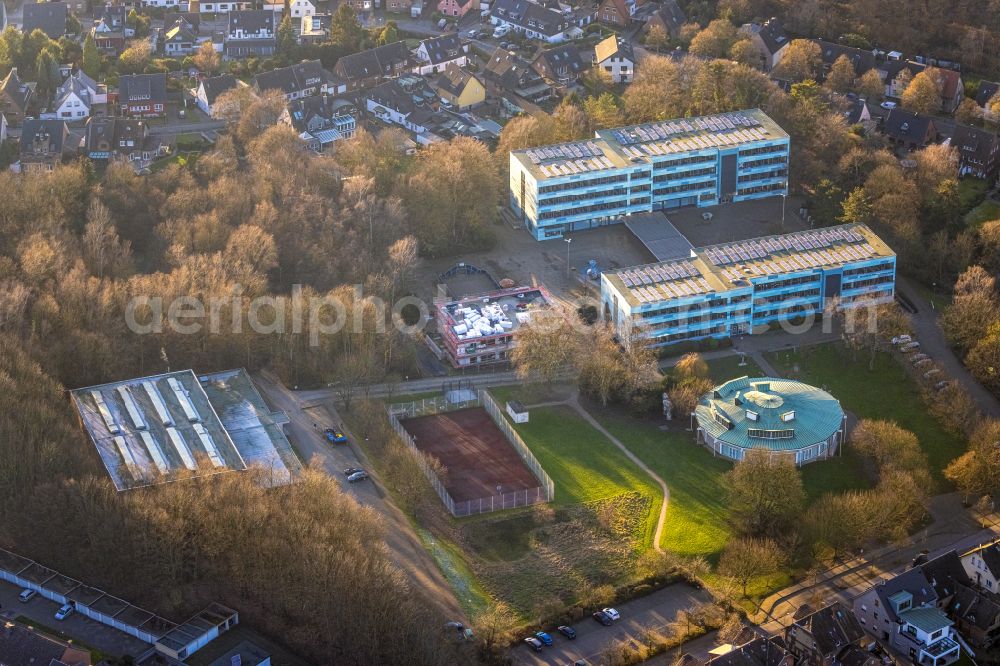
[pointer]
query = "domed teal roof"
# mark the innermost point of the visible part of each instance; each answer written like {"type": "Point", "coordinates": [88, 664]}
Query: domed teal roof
{"type": "Point", "coordinates": [769, 413]}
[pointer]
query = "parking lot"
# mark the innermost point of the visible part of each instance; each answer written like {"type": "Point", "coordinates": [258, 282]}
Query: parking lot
{"type": "Point", "coordinates": [75, 628]}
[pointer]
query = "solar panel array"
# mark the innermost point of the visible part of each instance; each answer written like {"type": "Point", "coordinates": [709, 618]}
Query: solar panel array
{"type": "Point", "coordinates": [705, 132]}
{"type": "Point", "coordinates": [657, 282]}
{"type": "Point", "coordinates": [569, 158]}
{"type": "Point", "coordinates": [790, 253]}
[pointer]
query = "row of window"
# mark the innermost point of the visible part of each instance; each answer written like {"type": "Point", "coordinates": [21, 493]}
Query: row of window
{"type": "Point", "coordinates": [667, 177]}
{"type": "Point", "coordinates": [870, 282]}
{"type": "Point", "coordinates": [789, 312]}
{"type": "Point", "coordinates": [776, 173]}
{"type": "Point", "coordinates": [875, 268]}
{"type": "Point", "coordinates": [576, 184]}
{"type": "Point", "coordinates": [569, 198]}
{"type": "Point", "coordinates": [696, 159]}
{"type": "Point", "coordinates": [781, 159]}
{"type": "Point", "coordinates": [688, 187]}
{"type": "Point", "coordinates": [789, 282]}
{"type": "Point", "coordinates": [774, 187]}
{"type": "Point", "coordinates": [786, 297]}
{"type": "Point", "coordinates": [762, 150]}
{"type": "Point", "coordinates": [611, 205]}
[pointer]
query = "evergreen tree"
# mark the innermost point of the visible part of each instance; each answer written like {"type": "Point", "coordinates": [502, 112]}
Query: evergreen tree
{"type": "Point", "coordinates": [91, 58]}
{"type": "Point", "coordinates": [286, 39]}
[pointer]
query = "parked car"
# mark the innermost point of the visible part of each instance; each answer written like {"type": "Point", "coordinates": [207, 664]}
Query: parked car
{"type": "Point", "coordinates": [335, 436]}
{"type": "Point", "coordinates": [64, 612]}
{"type": "Point", "coordinates": [930, 373]}
{"type": "Point", "coordinates": [918, 357]}
{"type": "Point", "coordinates": [501, 31]}
{"type": "Point", "coordinates": [352, 470]}
{"type": "Point", "coordinates": [940, 386]}
{"type": "Point", "coordinates": [901, 339]}
{"type": "Point", "coordinates": [888, 105]}
{"type": "Point", "coordinates": [909, 347]}
{"type": "Point", "coordinates": [534, 643]}
{"type": "Point", "coordinates": [568, 632]}
{"type": "Point", "coordinates": [360, 475]}
{"type": "Point", "coordinates": [922, 362]}
{"type": "Point", "coordinates": [612, 613]}
{"type": "Point", "coordinates": [603, 618]}
{"type": "Point", "coordinates": [543, 637]}
{"type": "Point", "coordinates": [27, 595]}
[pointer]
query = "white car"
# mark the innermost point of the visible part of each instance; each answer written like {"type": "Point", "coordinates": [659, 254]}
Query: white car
{"type": "Point", "coordinates": [64, 612]}
{"type": "Point", "coordinates": [888, 105]}
{"type": "Point", "coordinates": [27, 595]}
{"type": "Point", "coordinates": [612, 613]}
{"type": "Point", "coordinates": [901, 339]}
{"type": "Point", "coordinates": [501, 31]}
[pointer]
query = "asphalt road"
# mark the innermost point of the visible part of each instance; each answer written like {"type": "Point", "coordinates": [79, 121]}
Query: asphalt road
{"type": "Point", "coordinates": [653, 612]}
{"type": "Point", "coordinates": [305, 430]}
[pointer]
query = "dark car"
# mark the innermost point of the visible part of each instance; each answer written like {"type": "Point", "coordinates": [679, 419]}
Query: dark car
{"type": "Point", "coordinates": [335, 436]}
{"type": "Point", "coordinates": [543, 637]}
{"type": "Point", "coordinates": [352, 470]}
{"type": "Point", "coordinates": [568, 632]}
{"type": "Point", "coordinates": [603, 618]}
{"type": "Point", "coordinates": [534, 643]}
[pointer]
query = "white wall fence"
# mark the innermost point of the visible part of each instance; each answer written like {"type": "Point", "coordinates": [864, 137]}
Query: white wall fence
{"type": "Point", "coordinates": [509, 500]}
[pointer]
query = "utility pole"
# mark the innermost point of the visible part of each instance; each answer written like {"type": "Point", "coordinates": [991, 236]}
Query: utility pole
{"type": "Point", "coordinates": [568, 279]}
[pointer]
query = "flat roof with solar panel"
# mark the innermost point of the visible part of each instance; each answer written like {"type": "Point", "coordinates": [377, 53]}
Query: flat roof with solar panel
{"type": "Point", "coordinates": [166, 427]}
{"type": "Point", "coordinates": [729, 266]}
{"type": "Point", "coordinates": [639, 144]}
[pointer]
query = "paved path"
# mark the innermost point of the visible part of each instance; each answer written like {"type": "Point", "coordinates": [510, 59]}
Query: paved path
{"type": "Point", "coordinates": [932, 342]}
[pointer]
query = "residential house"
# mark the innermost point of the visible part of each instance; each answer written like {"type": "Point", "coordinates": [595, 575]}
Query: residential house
{"type": "Point", "coordinates": [108, 39]}
{"type": "Point", "coordinates": [456, 7]}
{"type": "Point", "coordinates": [952, 88]}
{"type": "Point", "coordinates": [178, 40]}
{"type": "Point", "coordinates": [49, 17]}
{"type": "Point", "coordinates": [43, 143]}
{"type": "Point", "coordinates": [892, 73]}
{"type": "Point", "coordinates": [982, 564]}
{"type": "Point", "coordinates": [321, 121]}
{"type": "Point", "coordinates": [360, 6]}
{"type": "Point", "coordinates": [758, 651]}
{"type": "Point", "coordinates": [303, 79]}
{"type": "Point", "coordinates": [123, 139]}
{"type": "Point", "coordinates": [301, 8]}
{"type": "Point", "coordinates": [314, 29]}
{"type": "Point", "coordinates": [614, 12]}
{"type": "Point", "coordinates": [562, 65]}
{"type": "Point", "coordinates": [513, 82]}
{"type": "Point", "coordinates": [459, 89]}
{"type": "Point", "coordinates": [614, 55]}
{"type": "Point", "coordinates": [76, 96]}
{"type": "Point", "coordinates": [163, 4]}
{"type": "Point", "coordinates": [978, 154]}
{"type": "Point", "coordinates": [192, 19]}
{"type": "Point", "coordinates": [250, 33]}
{"type": "Point", "coordinates": [831, 636]}
{"type": "Point", "coordinates": [858, 113]}
{"type": "Point", "coordinates": [392, 104]}
{"type": "Point", "coordinates": [15, 96]}
{"type": "Point", "coordinates": [986, 97]}
{"type": "Point", "coordinates": [116, 16]}
{"type": "Point", "coordinates": [903, 613]}
{"type": "Point", "coordinates": [976, 614]}
{"type": "Point", "coordinates": [669, 16]}
{"type": "Point", "coordinates": [143, 95]}
{"type": "Point", "coordinates": [21, 645]}
{"type": "Point", "coordinates": [530, 19]}
{"type": "Point", "coordinates": [433, 55]}
{"type": "Point", "coordinates": [908, 131]}
{"type": "Point", "coordinates": [209, 90]}
{"type": "Point", "coordinates": [769, 39]}
{"type": "Point", "coordinates": [369, 67]}
{"type": "Point", "coordinates": [830, 52]}
{"type": "Point", "coordinates": [398, 6]}
{"type": "Point", "coordinates": [216, 7]}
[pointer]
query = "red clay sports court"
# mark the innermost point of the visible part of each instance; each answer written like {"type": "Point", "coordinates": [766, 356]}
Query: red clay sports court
{"type": "Point", "coordinates": [477, 455]}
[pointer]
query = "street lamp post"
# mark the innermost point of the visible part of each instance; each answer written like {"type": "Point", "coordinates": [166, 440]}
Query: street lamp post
{"type": "Point", "coordinates": [568, 241]}
{"type": "Point", "coordinates": [784, 198]}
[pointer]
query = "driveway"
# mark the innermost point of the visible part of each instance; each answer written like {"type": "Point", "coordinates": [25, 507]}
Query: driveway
{"type": "Point", "coordinates": [305, 430]}
{"type": "Point", "coordinates": [76, 627]}
{"type": "Point", "coordinates": [653, 612]}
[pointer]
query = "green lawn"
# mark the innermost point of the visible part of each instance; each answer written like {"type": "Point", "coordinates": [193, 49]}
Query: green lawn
{"type": "Point", "coordinates": [886, 392]}
{"type": "Point", "coordinates": [697, 513]}
{"type": "Point", "coordinates": [984, 212]}
{"type": "Point", "coordinates": [971, 192]}
{"type": "Point", "coordinates": [728, 367]}
{"type": "Point", "coordinates": [583, 464]}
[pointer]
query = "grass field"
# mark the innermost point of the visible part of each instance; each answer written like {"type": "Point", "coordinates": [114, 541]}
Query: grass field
{"type": "Point", "coordinates": [984, 212]}
{"type": "Point", "coordinates": [728, 367]}
{"type": "Point", "coordinates": [583, 464]}
{"type": "Point", "coordinates": [886, 392]}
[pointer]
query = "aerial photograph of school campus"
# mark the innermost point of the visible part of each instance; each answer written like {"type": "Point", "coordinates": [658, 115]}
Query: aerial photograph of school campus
{"type": "Point", "coordinates": [499, 332]}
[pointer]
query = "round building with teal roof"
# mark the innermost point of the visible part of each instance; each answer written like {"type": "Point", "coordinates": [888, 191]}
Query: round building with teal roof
{"type": "Point", "coordinates": [783, 416]}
